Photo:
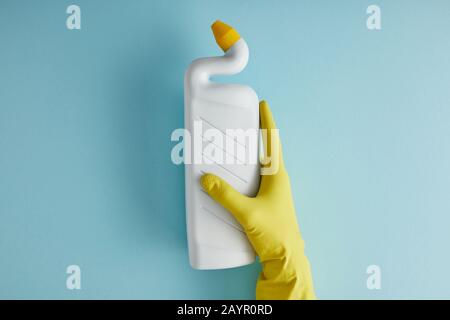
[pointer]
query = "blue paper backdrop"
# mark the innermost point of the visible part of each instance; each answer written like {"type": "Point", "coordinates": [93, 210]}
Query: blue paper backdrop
{"type": "Point", "coordinates": [85, 123]}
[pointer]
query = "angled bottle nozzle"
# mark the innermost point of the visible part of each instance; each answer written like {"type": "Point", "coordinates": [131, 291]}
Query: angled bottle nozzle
{"type": "Point", "coordinates": [225, 35]}
{"type": "Point", "coordinates": [233, 61]}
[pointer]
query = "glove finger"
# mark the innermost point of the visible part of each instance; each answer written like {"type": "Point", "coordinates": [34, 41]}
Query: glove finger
{"type": "Point", "coordinates": [271, 141]}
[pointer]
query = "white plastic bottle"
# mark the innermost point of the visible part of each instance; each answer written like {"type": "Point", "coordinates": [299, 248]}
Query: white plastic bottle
{"type": "Point", "coordinates": [216, 240]}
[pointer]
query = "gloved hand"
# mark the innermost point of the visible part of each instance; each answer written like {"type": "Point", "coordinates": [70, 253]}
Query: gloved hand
{"type": "Point", "coordinates": [270, 223]}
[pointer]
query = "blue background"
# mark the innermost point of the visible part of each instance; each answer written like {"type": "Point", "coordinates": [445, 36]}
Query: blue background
{"type": "Point", "coordinates": [85, 123]}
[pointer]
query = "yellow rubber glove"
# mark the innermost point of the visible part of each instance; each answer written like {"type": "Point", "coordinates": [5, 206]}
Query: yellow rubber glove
{"type": "Point", "coordinates": [270, 223]}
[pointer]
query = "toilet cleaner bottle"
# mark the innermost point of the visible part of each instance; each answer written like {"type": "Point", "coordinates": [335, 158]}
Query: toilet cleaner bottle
{"type": "Point", "coordinates": [217, 111]}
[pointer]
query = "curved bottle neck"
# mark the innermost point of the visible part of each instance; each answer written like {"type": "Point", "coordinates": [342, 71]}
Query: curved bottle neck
{"type": "Point", "coordinates": [232, 62]}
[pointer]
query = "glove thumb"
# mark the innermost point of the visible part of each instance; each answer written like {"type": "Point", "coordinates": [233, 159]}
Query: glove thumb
{"type": "Point", "coordinates": [231, 199]}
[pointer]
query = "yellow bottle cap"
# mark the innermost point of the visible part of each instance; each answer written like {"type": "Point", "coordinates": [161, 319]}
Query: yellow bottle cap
{"type": "Point", "coordinates": [225, 35]}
